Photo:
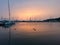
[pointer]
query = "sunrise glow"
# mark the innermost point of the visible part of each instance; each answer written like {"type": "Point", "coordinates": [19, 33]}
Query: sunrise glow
{"type": "Point", "coordinates": [37, 10]}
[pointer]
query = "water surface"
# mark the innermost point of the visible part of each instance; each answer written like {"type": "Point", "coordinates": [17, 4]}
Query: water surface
{"type": "Point", "coordinates": [30, 33]}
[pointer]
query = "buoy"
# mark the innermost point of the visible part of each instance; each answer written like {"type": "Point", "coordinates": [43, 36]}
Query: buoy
{"type": "Point", "coordinates": [34, 29]}
{"type": "Point", "coordinates": [15, 29]}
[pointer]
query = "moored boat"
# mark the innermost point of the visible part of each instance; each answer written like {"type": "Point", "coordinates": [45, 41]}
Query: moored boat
{"type": "Point", "coordinates": [7, 23]}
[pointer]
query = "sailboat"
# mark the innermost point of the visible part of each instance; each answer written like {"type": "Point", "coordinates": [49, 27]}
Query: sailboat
{"type": "Point", "coordinates": [7, 22]}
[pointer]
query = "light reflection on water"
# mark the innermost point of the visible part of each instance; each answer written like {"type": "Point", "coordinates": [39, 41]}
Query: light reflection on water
{"type": "Point", "coordinates": [29, 33]}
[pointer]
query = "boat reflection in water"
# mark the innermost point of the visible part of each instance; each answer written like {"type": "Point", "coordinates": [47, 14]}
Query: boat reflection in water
{"type": "Point", "coordinates": [6, 36]}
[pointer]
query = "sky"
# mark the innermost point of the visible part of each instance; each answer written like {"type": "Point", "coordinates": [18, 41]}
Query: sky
{"type": "Point", "coordinates": [34, 9]}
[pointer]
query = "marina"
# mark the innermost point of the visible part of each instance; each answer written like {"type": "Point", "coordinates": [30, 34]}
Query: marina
{"type": "Point", "coordinates": [29, 22]}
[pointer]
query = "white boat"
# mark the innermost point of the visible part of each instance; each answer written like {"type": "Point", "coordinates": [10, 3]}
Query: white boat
{"type": "Point", "coordinates": [9, 23]}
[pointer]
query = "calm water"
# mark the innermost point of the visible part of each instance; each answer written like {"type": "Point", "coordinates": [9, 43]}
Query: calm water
{"type": "Point", "coordinates": [29, 33]}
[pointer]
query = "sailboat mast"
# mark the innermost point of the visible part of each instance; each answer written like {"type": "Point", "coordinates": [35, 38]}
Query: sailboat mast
{"type": "Point", "coordinates": [9, 9]}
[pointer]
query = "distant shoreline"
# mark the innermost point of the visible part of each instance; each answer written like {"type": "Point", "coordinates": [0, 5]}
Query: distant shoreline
{"type": "Point", "coordinates": [30, 21]}
{"type": "Point", "coordinates": [47, 20]}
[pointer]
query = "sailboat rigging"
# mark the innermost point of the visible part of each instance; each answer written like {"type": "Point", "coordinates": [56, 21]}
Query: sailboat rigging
{"type": "Point", "coordinates": [8, 22]}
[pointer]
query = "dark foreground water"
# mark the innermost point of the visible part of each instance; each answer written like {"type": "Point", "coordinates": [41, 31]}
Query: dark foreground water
{"type": "Point", "coordinates": [29, 33]}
